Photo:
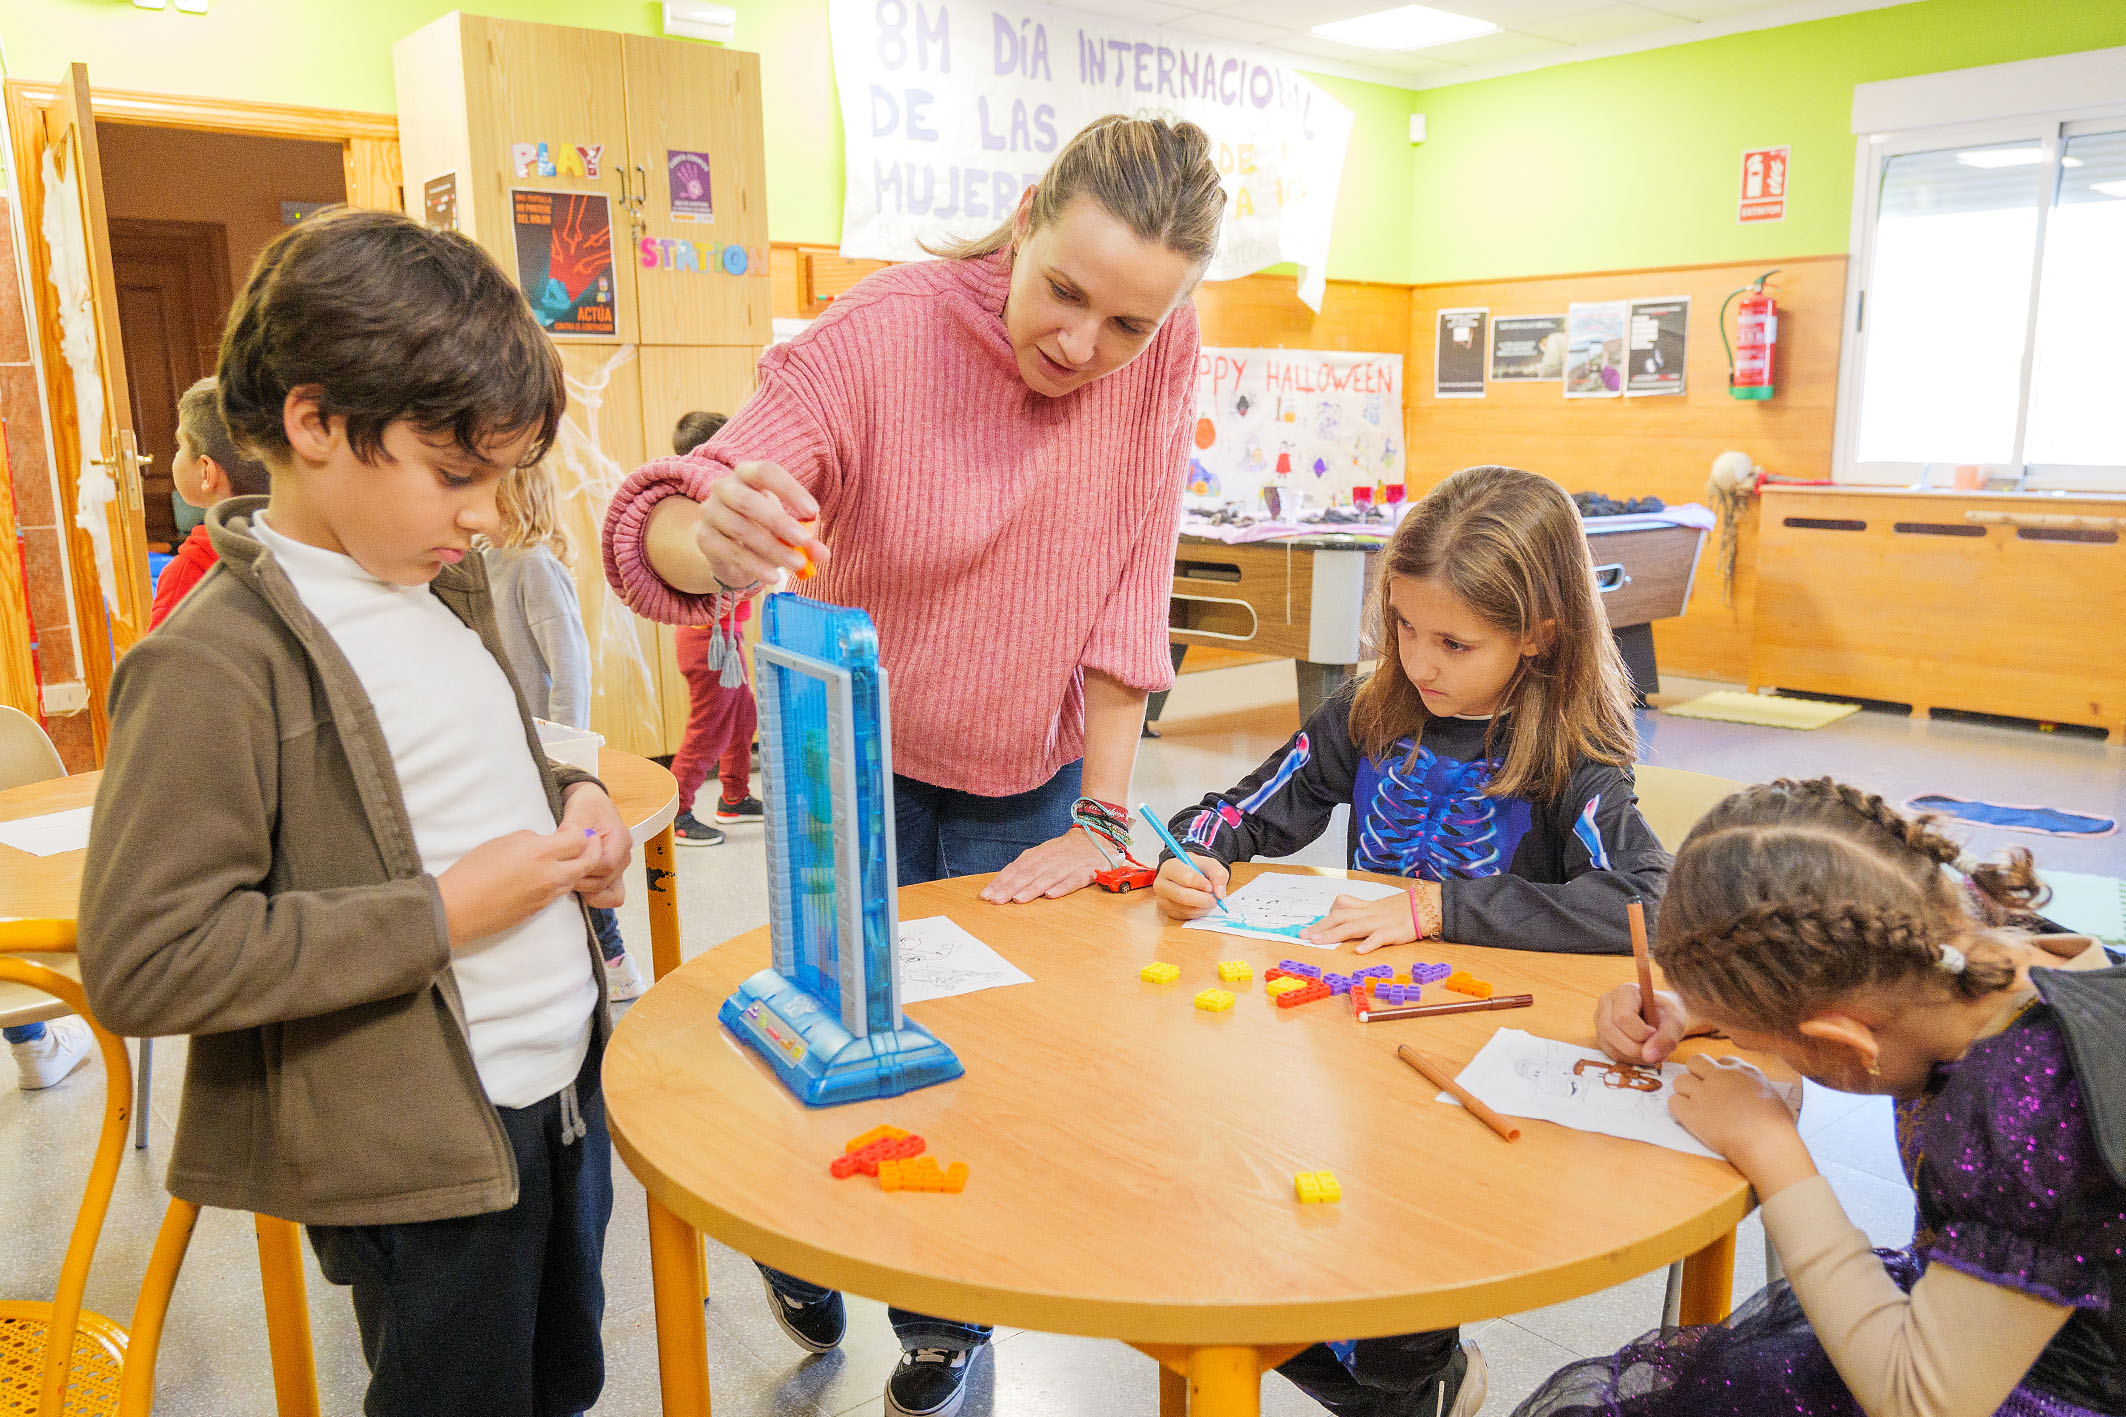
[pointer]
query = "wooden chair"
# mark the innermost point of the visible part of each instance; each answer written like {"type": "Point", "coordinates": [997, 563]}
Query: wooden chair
{"type": "Point", "coordinates": [78, 1361]}
{"type": "Point", "coordinates": [27, 756]}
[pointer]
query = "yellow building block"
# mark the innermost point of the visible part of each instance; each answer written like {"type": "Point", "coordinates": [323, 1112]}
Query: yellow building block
{"type": "Point", "coordinates": [889, 1175]}
{"type": "Point", "coordinates": [875, 1134]}
{"type": "Point", "coordinates": [1283, 986]}
{"type": "Point", "coordinates": [1235, 971]}
{"type": "Point", "coordinates": [1159, 972]}
{"type": "Point", "coordinates": [1317, 1187]}
{"type": "Point", "coordinates": [1216, 1001]}
{"type": "Point", "coordinates": [956, 1178]}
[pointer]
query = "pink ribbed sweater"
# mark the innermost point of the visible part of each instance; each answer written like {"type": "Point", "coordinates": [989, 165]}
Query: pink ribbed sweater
{"type": "Point", "coordinates": [1003, 542]}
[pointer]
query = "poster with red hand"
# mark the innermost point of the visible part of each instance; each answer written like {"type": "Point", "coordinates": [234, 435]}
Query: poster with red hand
{"type": "Point", "coordinates": [565, 259]}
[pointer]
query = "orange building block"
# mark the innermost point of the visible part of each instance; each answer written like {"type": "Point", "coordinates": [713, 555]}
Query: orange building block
{"type": "Point", "coordinates": [1463, 982]}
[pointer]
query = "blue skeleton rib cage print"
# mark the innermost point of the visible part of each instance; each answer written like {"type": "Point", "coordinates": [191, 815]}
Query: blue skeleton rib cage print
{"type": "Point", "coordinates": [1427, 816]}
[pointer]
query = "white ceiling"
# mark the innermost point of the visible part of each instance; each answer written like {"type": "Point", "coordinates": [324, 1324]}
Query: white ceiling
{"type": "Point", "coordinates": [1533, 34]}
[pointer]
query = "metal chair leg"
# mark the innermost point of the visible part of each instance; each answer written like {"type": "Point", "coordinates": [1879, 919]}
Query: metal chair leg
{"type": "Point", "coordinates": [1773, 1270]}
{"type": "Point", "coordinates": [142, 1097]}
{"type": "Point", "coordinates": [1672, 1301]}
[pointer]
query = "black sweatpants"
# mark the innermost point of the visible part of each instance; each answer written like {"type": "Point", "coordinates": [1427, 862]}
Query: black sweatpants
{"type": "Point", "coordinates": [496, 1313]}
{"type": "Point", "coordinates": [1375, 1377]}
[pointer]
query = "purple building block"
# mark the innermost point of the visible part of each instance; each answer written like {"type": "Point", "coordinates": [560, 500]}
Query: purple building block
{"type": "Point", "coordinates": [1293, 966]}
{"type": "Point", "coordinates": [1430, 973]}
{"type": "Point", "coordinates": [1338, 983]}
{"type": "Point", "coordinates": [1378, 971]}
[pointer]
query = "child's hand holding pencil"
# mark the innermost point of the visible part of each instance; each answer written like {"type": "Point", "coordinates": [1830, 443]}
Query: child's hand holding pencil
{"type": "Point", "coordinates": [1190, 886]}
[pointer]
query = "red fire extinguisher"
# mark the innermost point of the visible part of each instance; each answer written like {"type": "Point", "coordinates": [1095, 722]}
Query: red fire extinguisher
{"type": "Point", "coordinates": [1749, 357]}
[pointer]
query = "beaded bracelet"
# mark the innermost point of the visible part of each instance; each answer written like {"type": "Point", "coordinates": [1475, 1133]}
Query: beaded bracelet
{"type": "Point", "coordinates": [1103, 818]}
{"type": "Point", "coordinates": [1423, 918]}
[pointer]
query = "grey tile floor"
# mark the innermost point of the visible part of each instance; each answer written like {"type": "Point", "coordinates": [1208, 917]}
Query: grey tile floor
{"type": "Point", "coordinates": [1218, 724]}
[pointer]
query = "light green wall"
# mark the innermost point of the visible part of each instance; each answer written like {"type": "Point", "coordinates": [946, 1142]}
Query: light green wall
{"type": "Point", "coordinates": [338, 55]}
{"type": "Point", "coordinates": [1635, 161]}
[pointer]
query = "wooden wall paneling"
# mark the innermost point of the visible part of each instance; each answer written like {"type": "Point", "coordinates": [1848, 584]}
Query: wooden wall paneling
{"type": "Point", "coordinates": [173, 292]}
{"type": "Point", "coordinates": [1638, 446]}
{"type": "Point", "coordinates": [676, 381]}
{"type": "Point", "coordinates": [1945, 618]}
{"type": "Point", "coordinates": [1264, 312]}
{"type": "Point", "coordinates": [828, 275]}
{"type": "Point", "coordinates": [699, 98]}
{"type": "Point", "coordinates": [373, 175]}
{"type": "Point", "coordinates": [786, 282]}
{"type": "Point", "coordinates": [535, 83]}
{"type": "Point", "coordinates": [434, 133]}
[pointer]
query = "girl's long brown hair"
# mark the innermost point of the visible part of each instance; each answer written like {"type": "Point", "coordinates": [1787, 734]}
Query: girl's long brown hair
{"type": "Point", "coordinates": [1790, 896]}
{"type": "Point", "coordinates": [1509, 544]}
{"type": "Point", "coordinates": [527, 515]}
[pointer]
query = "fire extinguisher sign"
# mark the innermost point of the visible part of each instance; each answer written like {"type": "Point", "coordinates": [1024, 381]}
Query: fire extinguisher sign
{"type": "Point", "coordinates": [1763, 185]}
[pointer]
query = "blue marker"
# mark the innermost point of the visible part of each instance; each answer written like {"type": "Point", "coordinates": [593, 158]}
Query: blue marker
{"type": "Point", "coordinates": [1166, 838]}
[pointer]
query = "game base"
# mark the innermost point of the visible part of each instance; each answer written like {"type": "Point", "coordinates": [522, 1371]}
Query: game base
{"type": "Point", "coordinates": [820, 1060]}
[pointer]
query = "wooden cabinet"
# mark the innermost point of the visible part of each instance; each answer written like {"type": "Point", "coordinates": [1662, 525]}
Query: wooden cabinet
{"type": "Point", "coordinates": [512, 110]}
{"type": "Point", "coordinates": [1988, 603]}
{"type": "Point", "coordinates": [665, 136]}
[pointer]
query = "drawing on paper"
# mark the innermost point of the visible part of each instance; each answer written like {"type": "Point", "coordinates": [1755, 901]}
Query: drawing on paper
{"type": "Point", "coordinates": [939, 960]}
{"type": "Point", "coordinates": [1280, 907]}
{"type": "Point", "coordinates": [1521, 1075]}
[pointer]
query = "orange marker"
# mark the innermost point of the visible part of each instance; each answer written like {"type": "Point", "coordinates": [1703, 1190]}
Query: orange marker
{"type": "Point", "coordinates": [1445, 1082]}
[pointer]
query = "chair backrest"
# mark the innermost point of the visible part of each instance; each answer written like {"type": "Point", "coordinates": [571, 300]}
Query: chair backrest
{"type": "Point", "coordinates": [26, 755]}
{"type": "Point", "coordinates": [1673, 800]}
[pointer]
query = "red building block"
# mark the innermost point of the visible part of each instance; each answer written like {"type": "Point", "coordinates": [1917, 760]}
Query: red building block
{"type": "Point", "coordinates": [1313, 991]}
{"type": "Point", "coordinates": [866, 1159]}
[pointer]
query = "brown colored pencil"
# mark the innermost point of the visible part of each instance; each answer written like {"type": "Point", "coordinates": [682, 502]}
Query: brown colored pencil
{"type": "Point", "coordinates": [1437, 1076]}
{"type": "Point", "coordinates": [1473, 1006]}
{"type": "Point", "coordinates": [1636, 913]}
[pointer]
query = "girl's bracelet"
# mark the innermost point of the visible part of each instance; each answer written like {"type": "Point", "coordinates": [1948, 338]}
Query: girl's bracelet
{"type": "Point", "coordinates": [1424, 918]}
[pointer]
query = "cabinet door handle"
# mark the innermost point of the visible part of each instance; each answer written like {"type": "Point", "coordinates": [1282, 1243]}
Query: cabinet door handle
{"type": "Point", "coordinates": [1611, 577]}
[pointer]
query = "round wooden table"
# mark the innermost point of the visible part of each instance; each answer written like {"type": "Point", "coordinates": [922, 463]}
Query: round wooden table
{"type": "Point", "coordinates": [1132, 1157]}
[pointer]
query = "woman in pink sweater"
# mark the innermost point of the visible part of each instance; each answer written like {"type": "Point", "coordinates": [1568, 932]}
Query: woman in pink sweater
{"type": "Point", "coordinates": [992, 448]}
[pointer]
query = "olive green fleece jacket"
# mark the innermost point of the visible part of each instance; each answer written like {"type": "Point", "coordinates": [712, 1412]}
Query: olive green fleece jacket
{"type": "Point", "coordinates": [252, 880]}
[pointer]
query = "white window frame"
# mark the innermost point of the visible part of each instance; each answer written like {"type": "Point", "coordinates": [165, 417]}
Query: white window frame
{"type": "Point", "coordinates": [2043, 100]}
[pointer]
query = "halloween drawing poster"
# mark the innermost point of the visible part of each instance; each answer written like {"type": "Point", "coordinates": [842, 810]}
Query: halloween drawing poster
{"type": "Point", "coordinates": [565, 259]}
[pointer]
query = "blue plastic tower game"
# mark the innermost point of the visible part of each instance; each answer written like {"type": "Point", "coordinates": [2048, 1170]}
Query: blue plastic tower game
{"type": "Point", "coordinates": [827, 1015]}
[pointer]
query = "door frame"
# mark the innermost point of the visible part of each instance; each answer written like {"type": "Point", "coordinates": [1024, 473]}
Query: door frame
{"type": "Point", "coordinates": [369, 151]}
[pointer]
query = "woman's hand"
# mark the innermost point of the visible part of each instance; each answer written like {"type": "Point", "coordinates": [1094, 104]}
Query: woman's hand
{"type": "Point", "coordinates": [1373, 923]}
{"type": "Point", "coordinates": [1054, 868]}
{"type": "Point", "coordinates": [1184, 889]}
{"type": "Point", "coordinates": [1727, 1104]}
{"type": "Point", "coordinates": [1629, 1038]}
{"type": "Point", "coordinates": [755, 523]}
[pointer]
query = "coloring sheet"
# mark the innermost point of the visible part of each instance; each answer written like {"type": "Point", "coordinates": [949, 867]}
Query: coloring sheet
{"type": "Point", "coordinates": [939, 960]}
{"type": "Point", "coordinates": [1277, 907]}
{"type": "Point", "coordinates": [1521, 1075]}
{"type": "Point", "coordinates": [49, 835]}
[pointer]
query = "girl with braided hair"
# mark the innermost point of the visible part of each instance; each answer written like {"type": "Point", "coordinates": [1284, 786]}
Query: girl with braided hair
{"type": "Point", "coordinates": [1813, 921]}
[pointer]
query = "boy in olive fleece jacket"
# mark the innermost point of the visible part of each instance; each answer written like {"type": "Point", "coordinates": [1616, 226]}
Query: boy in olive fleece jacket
{"type": "Point", "coordinates": [371, 921]}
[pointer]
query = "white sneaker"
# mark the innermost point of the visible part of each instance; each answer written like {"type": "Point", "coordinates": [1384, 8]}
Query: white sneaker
{"type": "Point", "coordinates": [41, 1062]}
{"type": "Point", "coordinates": [623, 981]}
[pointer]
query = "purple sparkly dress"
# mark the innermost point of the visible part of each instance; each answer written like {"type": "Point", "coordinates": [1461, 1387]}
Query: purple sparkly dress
{"type": "Point", "coordinates": [2012, 1187]}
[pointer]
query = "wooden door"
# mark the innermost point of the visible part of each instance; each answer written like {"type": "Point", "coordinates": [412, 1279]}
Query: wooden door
{"type": "Point", "coordinates": [173, 298]}
{"type": "Point", "coordinates": [528, 85]}
{"type": "Point", "coordinates": [698, 174]}
{"type": "Point", "coordinates": [99, 457]}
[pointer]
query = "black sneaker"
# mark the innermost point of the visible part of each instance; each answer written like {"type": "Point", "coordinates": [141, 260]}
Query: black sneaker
{"type": "Point", "coordinates": [1461, 1387]}
{"type": "Point", "coordinates": [748, 810]}
{"type": "Point", "coordinates": [930, 1382]}
{"type": "Point", "coordinates": [689, 830]}
{"type": "Point", "coordinates": [817, 1326]}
